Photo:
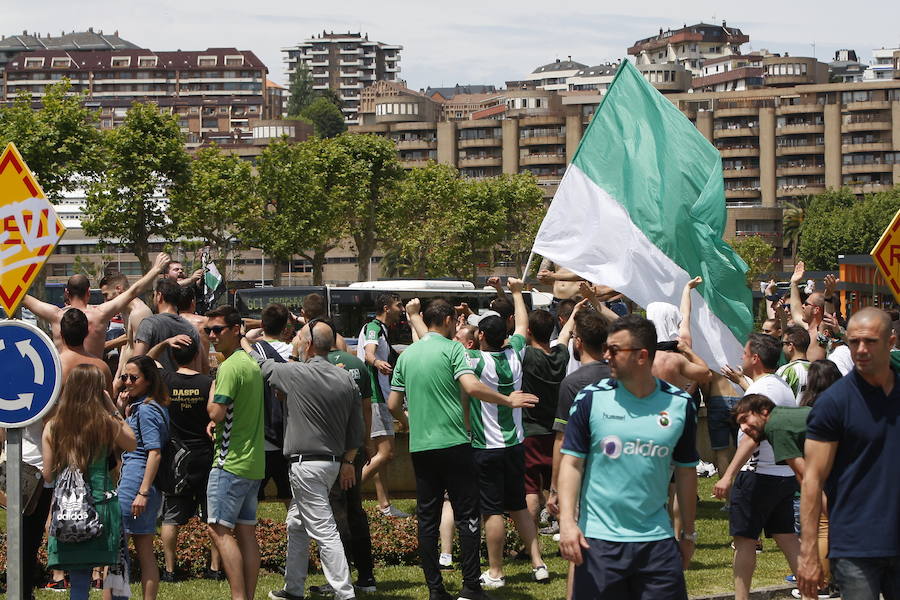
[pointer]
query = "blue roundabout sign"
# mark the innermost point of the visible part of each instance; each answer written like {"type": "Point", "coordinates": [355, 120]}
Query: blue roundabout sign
{"type": "Point", "coordinates": [30, 374]}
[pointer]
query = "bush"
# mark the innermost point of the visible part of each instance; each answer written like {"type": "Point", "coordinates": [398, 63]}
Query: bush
{"type": "Point", "coordinates": [394, 542]}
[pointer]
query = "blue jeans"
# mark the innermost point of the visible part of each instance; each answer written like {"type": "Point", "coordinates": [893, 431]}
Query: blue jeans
{"type": "Point", "coordinates": [865, 578]}
{"type": "Point", "coordinates": [79, 584]}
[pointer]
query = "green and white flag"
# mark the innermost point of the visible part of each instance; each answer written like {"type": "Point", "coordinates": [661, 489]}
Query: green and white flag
{"type": "Point", "coordinates": [212, 279]}
{"type": "Point", "coordinates": [641, 208]}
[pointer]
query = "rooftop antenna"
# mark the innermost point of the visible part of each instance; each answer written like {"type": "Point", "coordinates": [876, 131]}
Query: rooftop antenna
{"type": "Point", "coordinates": [814, 48]}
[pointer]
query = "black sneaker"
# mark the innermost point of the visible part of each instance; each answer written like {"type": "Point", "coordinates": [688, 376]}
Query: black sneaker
{"type": "Point", "coordinates": [365, 584]}
{"type": "Point", "coordinates": [467, 594]}
{"type": "Point", "coordinates": [214, 575]}
{"type": "Point", "coordinates": [439, 595]}
{"type": "Point", "coordinates": [167, 576]}
{"type": "Point", "coordinates": [283, 595]}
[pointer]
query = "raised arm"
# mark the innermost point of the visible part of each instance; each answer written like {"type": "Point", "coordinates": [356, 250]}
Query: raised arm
{"type": "Point", "coordinates": [587, 290]}
{"type": "Point", "coordinates": [830, 286]}
{"type": "Point", "coordinates": [796, 302]}
{"type": "Point", "coordinates": [521, 312]}
{"type": "Point", "coordinates": [176, 341]}
{"type": "Point", "coordinates": [694, 367]}
{"type": "Point", "coordinates": [416, 322]}
{"type": "Point", "coordinates": [111, 308]}
{"type": "Point", "coordinates": [42, 310]}
{"type": "Point", "coordinates": [684, 330]}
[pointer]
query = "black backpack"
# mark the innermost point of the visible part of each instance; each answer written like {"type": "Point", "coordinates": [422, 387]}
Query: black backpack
{"type": "Point", "coordinates": [171, 477]}
{"type": "Point", "coordinates": [273, 408]}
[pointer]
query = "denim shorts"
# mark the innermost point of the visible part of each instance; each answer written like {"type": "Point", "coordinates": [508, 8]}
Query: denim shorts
{"type": "Point", "coordinates": [129, 484]}
{"type": "Point", "coordinates": [722, 430]}
{"type": "Point", "coordinates": [230, 500]}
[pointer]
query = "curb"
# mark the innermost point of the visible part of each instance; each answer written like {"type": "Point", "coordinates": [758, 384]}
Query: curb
{"type": "Point", "coordinates": [765, 593]}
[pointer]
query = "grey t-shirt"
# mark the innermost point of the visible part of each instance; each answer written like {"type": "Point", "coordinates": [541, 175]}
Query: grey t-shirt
{"type": "Point", "coordinates": [157, 328]}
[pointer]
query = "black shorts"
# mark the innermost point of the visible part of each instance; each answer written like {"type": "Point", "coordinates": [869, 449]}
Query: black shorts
{"type": "Point", "coordinates": [501, 479]}
{"type": "Point", "coordinates": [762, 502]}
{"type": "Point", "coordinates": [191, 500]}
{"type": "Point", "coordinates": [630, 570]}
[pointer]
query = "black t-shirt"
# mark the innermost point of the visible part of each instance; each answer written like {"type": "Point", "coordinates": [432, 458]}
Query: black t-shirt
{"type": "Point", "coordinates": [572, 385]}
{"type": "Point", "coordinates": [863, 487]}
{"type": "Point", "coordinates": [188, 396]}
{"type": "Point", "coordinates": [541, 376]}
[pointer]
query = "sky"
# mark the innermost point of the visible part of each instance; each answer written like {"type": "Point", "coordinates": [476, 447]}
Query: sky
{"type": "Point", "coordinates": [445, 43]}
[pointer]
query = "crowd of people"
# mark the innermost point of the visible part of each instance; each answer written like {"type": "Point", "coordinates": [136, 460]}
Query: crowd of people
{"type": "Point", "coordinates": [585, 413]}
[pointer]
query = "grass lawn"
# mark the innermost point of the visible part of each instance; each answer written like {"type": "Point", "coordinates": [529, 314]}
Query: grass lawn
{"type": "Point", "coordinates": [710, 571]}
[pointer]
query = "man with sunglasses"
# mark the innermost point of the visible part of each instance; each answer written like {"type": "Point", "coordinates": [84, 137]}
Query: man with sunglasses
{"type": "Point", "coordinates": [622, 439]}
{"type": "Point", "coordinates": [794, 344]}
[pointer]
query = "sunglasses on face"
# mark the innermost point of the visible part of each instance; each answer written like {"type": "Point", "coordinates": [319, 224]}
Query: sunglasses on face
{"type": "Point", "coordinates": [125, 377]}
{"type": "Point", "coordinates": [217, 329]}
{"type": "Point", "coordinates": [613, 350]}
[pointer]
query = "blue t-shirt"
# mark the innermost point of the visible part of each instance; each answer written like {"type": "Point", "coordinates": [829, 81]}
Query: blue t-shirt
{"type": "Point", "coordinates": [629, 444]}
{"type": "Point", "coordinates": [152, 433]}
{"type": "Point", "coordinates": [863, 487]}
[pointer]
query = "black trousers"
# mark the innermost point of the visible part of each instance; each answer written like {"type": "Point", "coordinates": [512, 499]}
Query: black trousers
{"type": "Point", "coordinates": [32, 536]}
{"type": "Point", "coordinates": [352, 522]}
{"type": "Point", "coordinates": [277, 468]}
{"type": "Point", "coordinates": [450, 470]}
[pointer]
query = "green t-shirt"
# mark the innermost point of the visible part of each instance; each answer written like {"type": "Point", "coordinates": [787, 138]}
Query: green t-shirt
{"type": "Point", "coordinates": [240, 448]}
{"type": "Point", "coordinates": [355, 367]}
{"type": "Point", "coordinates": [427, 372]}
{"type": "Point", "coordinates": [496, 426]}
{"type": "Point", "coordinates": [786, 431]}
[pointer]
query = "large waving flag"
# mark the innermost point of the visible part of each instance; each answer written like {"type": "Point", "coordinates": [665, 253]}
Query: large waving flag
{"type": "Point", "coordinates": [642, 209]}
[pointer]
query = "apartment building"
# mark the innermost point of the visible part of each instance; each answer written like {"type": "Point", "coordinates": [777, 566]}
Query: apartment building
{"type": "Point", "coordinates": [90, 40]}
{"type": "Point", "coordinates": [346, 63]}
{"type": "Point", "coordinates": [551, 77]}
{"type": "Point", "coordinates": [689, 46]}
{"type": "Point", "coordinates": [846, 67]}
{"type": "Point", "coordinates": [884, 65]}
{"type": "Point", "coordinates": [217, 93]}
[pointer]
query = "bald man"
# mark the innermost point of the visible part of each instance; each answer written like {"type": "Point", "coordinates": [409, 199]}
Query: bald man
{"type": "Point", "coordinates": [323, 430]}
{"type": "Point", "coordinates": [852, 445]}
{"type": "Point", "coordinates": [77, 295]}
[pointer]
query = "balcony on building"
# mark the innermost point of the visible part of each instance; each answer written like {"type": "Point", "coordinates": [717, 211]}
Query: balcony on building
{"type": "Point", "coordinates": [475, 134]}
{"type": "Point", "coordinates": [738, 147]}
{"type": "Point", "coordinates": [799, 144]}
{"type": "Point", "coordinates": [866, 142]}
{"type": "Point", "coordinates": [800, 165]}
{"type": "Point", "coordinates": [868, 120]}
{"type": "Point", "coordinates": [799, 185]}
{"type": "Point", "coordinates": [741, 108]}
{"type": "Point", "coordinates": [735, 127]}
{"type": "Point", "coordinates": [870, 162]}
{"type": "Point", "coordinates": [480, 157]}
{"type": "Point", "coordinates": [737, 168]}
{"type": "Point", "coordinates": [540, 135]}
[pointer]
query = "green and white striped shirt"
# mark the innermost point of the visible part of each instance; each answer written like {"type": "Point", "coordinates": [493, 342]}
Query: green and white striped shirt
{"type": "Point", "coordinates": [496, 426]}
{"type": "Point", "coordinates": [794, 373]}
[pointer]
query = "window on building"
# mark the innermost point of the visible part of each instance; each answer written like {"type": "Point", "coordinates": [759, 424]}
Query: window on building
{"type": "Point", "coordinates": [61, 63]}
{"type": "Point", "coordinates": [234, 61]}
{"type": "Point", "coordinates": [120, 61]}
{"type": "Point", "coordinates": [207, 61]}
{"type": "Point", "coordinates": [34, 63]}
{"type": "Point", "coordinates": [147, 61]}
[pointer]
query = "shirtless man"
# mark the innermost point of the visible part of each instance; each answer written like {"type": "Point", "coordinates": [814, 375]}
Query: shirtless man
{"type": "Point", "coordinates": [77, 295]}
{"type": "Point", "coordinates": [112, 286]}
{"type": "Point", "coordinates": [187, 307]}
{"type": "Point", "coordinates": [565, 283]}
{"type": "Point", "coordinates": [73, 327]}
{"type": "Point", "coordinates": [683, 367]}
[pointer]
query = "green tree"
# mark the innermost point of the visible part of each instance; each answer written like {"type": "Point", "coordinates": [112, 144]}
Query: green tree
{"type": "Point", "coordinates": [375, 171]}
{"type": "Point", "coordinates": [327, 118]}
{"type": "Point", "coordinates": [303, 189]}
{"type": "Point", "coordinates": [837, 223]}
{"type": "Point", "coordinates": [792, 223]}
{"type": "Point", "coordinates": [757, 253]}
{"type": "Point", "coordinates": [522, 203]}
{"type": "Point", "coordinates": [59, 141]}
{"type": "Point", "coordinates": [331, 95]}
{"type": "Point", "coordinates": [301, 91]}
{"type": "Point", "coordinates": [428, 237]}
{"type": "Point", "coordinates": [145, 156]}
{"type": "Point", "coordinates": [217, 203]}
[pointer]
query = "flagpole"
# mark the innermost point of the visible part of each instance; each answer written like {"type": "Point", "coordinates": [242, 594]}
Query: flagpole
{"type": "Point", "coordinates": [204, 261]}
{"type": "Point", "coordinates": [527, 266]}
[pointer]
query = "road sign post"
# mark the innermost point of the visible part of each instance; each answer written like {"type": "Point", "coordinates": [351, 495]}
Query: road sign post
{"type": "Point", "coordinates": [30, 371]}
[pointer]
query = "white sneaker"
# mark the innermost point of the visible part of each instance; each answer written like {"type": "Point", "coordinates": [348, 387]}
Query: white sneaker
{"type": "Point", "coordinates": [391, 511]}
{"type": "Point", "coordinates": [541, 574]}
{"type": "Point", "coordinates": [491, 583]}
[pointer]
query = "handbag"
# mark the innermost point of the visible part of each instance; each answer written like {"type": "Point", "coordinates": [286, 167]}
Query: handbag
{"type": "Point", "coordinates": [32, 485]}
{"type": "Point", "coordinates": [73, 517]}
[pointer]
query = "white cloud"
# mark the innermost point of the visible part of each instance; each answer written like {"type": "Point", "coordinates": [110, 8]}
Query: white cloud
{"type": "Point", "coordinates": [465, 41]}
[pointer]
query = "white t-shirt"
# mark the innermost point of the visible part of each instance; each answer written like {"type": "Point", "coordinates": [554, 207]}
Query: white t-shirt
{"type": "Point", "coordinates": [778, 391]}
{"type": "Point", "coordinates": [573, 364]}
{"type": "Point", "coordinates": [841, 357]}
